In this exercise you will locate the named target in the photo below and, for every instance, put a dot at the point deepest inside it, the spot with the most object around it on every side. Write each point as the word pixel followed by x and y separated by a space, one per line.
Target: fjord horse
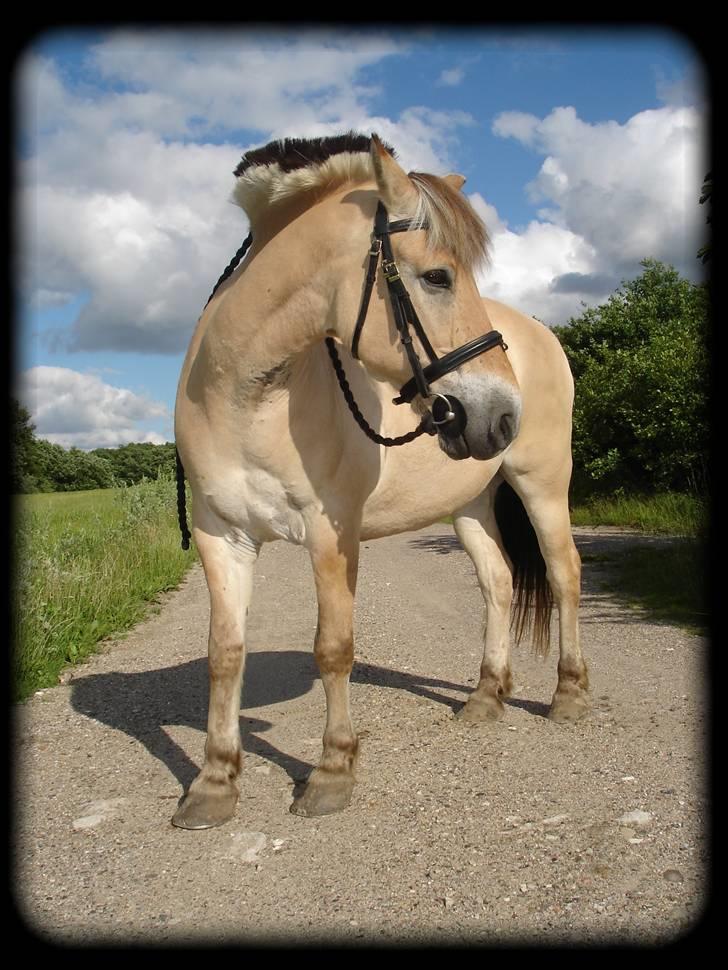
pixel 272 450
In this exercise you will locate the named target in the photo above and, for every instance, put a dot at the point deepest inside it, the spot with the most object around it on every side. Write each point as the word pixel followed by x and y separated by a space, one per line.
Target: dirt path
pixel 519 831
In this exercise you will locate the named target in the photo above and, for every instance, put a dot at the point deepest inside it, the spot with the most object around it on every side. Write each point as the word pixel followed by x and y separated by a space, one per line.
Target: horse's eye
pixel 437 277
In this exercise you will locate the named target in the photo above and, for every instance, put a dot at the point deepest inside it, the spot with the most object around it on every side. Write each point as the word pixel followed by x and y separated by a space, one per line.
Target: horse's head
pixel 432 241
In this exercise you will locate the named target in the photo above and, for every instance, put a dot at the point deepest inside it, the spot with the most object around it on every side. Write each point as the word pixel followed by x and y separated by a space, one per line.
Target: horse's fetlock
pixel 222 763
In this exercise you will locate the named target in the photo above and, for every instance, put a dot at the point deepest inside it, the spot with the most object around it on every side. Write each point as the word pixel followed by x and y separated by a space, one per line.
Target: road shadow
pixel 142 705
pixel 442 545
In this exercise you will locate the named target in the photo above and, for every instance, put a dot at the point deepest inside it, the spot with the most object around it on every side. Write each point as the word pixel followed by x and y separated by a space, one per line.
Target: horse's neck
pixel 267 318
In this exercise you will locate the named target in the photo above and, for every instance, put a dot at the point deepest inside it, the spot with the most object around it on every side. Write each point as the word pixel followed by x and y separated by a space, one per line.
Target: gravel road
pixel 521 831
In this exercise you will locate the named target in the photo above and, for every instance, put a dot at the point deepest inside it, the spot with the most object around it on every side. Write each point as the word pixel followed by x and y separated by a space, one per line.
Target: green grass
pixel 669 514
pixel 87 566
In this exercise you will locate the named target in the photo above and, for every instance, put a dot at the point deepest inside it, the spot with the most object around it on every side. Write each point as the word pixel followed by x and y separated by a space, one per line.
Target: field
pixel 87 565
pixel 671 514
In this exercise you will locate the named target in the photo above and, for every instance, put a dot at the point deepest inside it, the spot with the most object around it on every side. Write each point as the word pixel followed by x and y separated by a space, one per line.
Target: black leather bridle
pixel 405 317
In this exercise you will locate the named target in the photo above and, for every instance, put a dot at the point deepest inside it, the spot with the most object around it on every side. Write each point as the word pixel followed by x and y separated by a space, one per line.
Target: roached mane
pixel 290 166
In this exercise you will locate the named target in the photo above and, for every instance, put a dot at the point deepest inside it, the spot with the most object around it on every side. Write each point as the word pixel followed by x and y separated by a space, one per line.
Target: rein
pixel 405 316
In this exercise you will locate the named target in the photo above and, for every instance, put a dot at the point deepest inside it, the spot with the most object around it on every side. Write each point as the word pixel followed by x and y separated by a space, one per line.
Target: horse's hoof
pixel 477 710
pixel 568 708
pixel 201 810
pixel 324 794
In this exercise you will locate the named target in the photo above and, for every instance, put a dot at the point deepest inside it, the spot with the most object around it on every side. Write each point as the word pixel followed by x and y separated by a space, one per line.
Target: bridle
pixel 445 410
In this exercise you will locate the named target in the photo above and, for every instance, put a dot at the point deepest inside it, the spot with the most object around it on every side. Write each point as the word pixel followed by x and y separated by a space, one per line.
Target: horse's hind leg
pixel 478 533
pixel 335 561
pixel 548 509
pixel 228 562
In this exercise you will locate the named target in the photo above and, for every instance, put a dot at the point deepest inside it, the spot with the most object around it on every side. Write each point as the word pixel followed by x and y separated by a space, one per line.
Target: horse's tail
pixel 531 588
pixel 182 503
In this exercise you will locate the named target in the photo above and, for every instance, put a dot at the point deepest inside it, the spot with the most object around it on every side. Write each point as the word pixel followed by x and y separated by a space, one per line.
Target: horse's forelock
pixel 453 223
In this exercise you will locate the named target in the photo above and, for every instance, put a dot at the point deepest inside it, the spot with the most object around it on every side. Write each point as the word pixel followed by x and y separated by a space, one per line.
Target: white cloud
pixel 614 195
pixel 629 191
pixel 122 201
pixel 516 124
pixel 525 266
pixel 71 408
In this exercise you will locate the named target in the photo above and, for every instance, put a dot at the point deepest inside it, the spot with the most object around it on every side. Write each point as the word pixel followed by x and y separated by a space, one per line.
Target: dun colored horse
pixel 270 434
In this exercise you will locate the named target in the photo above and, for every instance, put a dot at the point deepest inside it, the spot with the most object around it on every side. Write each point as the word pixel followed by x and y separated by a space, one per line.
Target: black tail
pixel 182 503
pixel 530 585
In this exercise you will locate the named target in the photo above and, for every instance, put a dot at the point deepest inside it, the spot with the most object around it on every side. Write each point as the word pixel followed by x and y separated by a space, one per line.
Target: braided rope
pixel 424 425
pixel 232 265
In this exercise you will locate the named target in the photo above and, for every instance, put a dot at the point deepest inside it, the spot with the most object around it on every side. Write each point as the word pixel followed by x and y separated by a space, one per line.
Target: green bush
pixel 640 366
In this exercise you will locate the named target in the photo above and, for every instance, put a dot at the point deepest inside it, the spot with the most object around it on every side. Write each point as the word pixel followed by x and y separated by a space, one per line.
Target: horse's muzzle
pixel 483 435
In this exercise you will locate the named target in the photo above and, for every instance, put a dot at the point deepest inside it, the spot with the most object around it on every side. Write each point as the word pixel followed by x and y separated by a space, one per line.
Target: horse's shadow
pixel 142 705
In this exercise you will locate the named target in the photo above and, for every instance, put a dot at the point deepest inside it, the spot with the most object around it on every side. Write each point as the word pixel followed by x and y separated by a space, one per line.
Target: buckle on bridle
pixel 389 268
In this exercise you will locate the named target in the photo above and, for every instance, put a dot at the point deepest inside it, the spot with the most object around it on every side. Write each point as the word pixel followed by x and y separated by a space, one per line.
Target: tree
pixel 135 461
pixel 640 365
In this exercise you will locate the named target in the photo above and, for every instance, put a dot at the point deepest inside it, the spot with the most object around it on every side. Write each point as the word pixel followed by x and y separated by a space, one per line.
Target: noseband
pixel 405 316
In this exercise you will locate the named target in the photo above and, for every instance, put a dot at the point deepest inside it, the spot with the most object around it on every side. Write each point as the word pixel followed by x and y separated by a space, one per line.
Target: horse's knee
pixel 334 653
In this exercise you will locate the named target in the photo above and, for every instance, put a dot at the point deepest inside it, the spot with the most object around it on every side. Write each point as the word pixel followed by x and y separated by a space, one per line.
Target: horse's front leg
pixel 335 559
pixel 228 561
pixel 478 532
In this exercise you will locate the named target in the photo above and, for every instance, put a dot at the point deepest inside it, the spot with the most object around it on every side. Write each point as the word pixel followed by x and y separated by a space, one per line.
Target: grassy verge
pixel 87 565
pixel 668 514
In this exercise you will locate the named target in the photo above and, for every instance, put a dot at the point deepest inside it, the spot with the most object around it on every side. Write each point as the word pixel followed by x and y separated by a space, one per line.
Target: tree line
pixel 38 465
pixel 641 371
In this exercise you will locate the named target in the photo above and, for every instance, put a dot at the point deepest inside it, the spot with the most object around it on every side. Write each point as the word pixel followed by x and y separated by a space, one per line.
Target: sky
pixel 584 151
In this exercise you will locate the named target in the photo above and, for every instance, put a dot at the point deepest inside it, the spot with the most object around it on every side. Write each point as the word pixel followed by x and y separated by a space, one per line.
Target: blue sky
pixel 584 151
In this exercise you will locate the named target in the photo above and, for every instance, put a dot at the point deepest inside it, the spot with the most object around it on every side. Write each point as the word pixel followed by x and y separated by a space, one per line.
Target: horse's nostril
pixel 507 425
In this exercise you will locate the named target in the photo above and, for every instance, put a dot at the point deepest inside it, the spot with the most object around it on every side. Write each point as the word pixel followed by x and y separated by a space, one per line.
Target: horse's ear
pixel 395 188
pixel 455 181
